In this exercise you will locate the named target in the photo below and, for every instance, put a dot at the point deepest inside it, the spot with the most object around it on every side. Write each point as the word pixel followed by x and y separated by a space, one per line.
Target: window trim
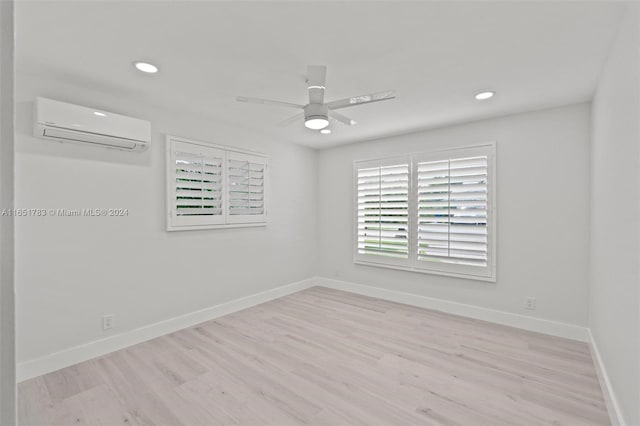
pixel 413 264
pixel 227 149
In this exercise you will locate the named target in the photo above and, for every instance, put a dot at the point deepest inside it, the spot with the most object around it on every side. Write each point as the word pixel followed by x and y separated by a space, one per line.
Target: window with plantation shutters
pixel 449 208
pixel 246 179
pixel 383 211
pixel 212 186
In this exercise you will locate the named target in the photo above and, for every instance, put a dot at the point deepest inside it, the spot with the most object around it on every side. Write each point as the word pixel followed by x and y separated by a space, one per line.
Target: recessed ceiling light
pixel 316 123
pixel 325 131
pixel 146 67
pixel 99 114
pixel 482 96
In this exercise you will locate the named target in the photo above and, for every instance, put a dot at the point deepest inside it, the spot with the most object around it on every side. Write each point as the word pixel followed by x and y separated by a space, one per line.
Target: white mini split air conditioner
pixel 63 122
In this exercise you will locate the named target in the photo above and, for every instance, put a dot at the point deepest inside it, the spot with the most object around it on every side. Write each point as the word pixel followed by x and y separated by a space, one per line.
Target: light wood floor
pixel 326 357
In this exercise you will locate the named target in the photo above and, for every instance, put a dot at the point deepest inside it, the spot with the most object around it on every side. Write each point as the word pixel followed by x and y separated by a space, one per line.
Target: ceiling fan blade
pixel 341 118
pixel 316 78
pixel 363 99
pixel 268 102
pixel 291 120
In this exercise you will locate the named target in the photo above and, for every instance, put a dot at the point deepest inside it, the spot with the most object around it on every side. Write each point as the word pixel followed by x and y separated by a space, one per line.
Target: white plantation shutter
pixel 196 185
pixel 452 211
pixel 246 187
pixel 214 186
pixel 449 207
pixel 383 211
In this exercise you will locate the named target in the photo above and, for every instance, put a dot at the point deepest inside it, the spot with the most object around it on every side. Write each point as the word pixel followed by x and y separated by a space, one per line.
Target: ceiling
pixel 436 55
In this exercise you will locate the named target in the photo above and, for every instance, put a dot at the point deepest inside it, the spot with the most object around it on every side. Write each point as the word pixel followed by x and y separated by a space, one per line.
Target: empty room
pixel 320 213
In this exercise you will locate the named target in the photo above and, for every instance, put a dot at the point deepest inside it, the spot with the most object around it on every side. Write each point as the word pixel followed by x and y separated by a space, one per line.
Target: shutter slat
pixel 457 245
pixel 423 250
pixel 381 198
pixel 467 171
pixel 235 210
pixel 196 192
pixel 481 196
pixel 455 229
pixel 243 197
pixel 482 187
pixel 433 165
pixel 462 220
pixel 198 211
pixel 383 250
pixel 459 163
pixel 376 219
pixel 434 236
pixel 202 186
pixel 451 259
pixel 386 186
pixel 385 211
pixel 206 177
pixel 199 203
pixel 389 178
pixel 383 233
pixel 469 179
pixel 377 227
pixel 387 192
pixel 378 204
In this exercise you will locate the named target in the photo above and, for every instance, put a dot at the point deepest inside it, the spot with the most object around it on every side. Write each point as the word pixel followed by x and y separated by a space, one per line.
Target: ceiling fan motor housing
pixel 316 111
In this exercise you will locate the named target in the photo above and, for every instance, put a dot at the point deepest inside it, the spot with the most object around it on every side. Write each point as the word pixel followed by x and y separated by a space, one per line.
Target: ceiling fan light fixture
pixel 316 122
pixel 483 96
pixel 145 67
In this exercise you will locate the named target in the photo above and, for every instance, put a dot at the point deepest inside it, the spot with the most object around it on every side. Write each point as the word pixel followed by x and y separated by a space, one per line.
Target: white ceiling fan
pixel 316 113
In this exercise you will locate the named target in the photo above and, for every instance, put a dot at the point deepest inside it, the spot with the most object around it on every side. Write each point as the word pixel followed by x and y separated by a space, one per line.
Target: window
pixel 214 186
pixel 383 210
pixel 429 212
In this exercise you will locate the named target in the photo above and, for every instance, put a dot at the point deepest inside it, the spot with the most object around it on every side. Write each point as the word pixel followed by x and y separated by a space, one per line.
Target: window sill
pixel 220 226
pixel 491 279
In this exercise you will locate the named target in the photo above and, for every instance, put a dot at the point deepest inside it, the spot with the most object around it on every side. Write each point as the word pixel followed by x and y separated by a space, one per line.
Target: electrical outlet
pixel 107 322
pixel 531 303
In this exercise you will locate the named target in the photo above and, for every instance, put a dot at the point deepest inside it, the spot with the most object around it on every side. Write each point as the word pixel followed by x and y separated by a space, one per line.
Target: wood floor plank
pixel 327 357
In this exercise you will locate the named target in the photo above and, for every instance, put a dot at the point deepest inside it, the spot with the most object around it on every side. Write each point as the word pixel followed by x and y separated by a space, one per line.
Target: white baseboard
pixel 613 407
pixel 55 361
pixel 539 325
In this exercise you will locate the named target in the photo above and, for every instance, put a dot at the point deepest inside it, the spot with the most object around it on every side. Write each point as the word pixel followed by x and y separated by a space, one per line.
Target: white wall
pixel 542 206
pixel 7 329
pixel 614 316
pixel 72 270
